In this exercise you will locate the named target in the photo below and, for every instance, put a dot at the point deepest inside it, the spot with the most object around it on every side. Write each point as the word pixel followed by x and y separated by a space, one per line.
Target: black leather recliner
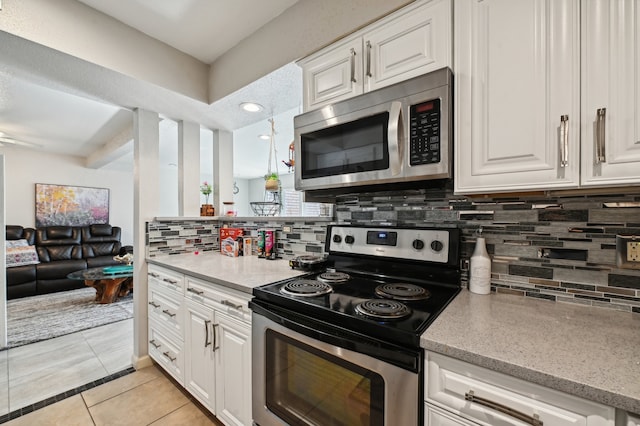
pixel 61 250
pixel 21 280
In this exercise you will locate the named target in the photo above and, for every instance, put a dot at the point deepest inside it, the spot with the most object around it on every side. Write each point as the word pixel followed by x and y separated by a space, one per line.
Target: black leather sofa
pixel 61 250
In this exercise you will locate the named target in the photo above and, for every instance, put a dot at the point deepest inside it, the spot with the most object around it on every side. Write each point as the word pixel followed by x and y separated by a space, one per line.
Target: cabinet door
pixel 414 43
pixel 333 75
pixel 611 84
pixel 199 352
pixel 517 72
pixel 233 366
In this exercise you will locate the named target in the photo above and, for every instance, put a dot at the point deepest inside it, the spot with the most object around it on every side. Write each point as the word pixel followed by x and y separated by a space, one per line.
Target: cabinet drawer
pixel 166 278
pixel 167 308
pixel 435 416
pixel 166 350
pixel 232 303
pixel 495 399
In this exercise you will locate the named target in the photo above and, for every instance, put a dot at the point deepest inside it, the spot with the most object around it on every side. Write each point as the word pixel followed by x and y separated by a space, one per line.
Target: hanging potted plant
pixel 272 182
pixel 206 209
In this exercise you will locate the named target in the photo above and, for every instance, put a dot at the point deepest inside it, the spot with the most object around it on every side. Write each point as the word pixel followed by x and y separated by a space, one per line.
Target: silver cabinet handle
pixel 394 134
pixel 206 333
pixel 215 338
pixel 533 420
pixel 369 59
pixel 601 156
pixel 170 281
pixel 153 274
pixel 353 65
pixel 171 358
pixel 154 304
pixel 168 313
pixel 154 344
pixel 231 304
pixel 564 136
pixel 193 290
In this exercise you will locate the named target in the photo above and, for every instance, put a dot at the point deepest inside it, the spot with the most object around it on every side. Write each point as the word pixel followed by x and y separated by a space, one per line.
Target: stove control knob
pixel 418 244
pixel 349 239
pixel 436 245
pixel 337 239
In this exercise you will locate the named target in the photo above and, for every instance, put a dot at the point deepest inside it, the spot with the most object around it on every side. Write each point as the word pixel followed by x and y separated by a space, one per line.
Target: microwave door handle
pixel 393 136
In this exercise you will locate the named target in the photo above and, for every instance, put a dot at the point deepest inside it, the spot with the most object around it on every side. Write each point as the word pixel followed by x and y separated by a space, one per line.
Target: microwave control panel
pixel 424 131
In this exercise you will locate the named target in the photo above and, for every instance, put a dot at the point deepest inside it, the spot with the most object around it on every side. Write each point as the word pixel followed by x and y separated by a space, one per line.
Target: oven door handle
pixel 314 328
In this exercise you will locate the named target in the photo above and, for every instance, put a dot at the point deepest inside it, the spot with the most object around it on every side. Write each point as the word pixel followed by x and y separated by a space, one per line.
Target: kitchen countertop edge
pixel 594 380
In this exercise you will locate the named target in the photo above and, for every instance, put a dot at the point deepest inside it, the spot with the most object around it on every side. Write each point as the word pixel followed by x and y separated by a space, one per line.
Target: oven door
pixel 304 373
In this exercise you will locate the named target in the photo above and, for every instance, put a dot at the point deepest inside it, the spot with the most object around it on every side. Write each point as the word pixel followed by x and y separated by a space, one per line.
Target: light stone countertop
pixel 593 353
pixel 241 273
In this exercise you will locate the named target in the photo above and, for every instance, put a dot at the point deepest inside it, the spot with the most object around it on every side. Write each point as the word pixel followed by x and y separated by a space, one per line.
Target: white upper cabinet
pixel 611 92
pixel 547 94
pixel 409 42
pixel 517 96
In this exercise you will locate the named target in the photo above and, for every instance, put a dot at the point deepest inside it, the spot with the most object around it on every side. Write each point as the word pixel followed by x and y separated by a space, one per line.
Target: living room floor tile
pixel 143 404
pixel 4 383
pixel 118 386
pixel 113 345
pixel 23 359
pixel 69 370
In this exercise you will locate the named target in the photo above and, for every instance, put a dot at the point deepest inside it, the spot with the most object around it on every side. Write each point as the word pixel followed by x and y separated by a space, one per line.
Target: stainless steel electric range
pixel 341 346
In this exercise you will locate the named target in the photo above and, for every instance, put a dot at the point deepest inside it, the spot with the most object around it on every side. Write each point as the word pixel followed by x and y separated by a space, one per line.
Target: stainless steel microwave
pixel 399 133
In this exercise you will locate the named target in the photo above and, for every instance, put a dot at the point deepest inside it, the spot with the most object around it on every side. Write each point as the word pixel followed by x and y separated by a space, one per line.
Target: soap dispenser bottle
pixel 480 268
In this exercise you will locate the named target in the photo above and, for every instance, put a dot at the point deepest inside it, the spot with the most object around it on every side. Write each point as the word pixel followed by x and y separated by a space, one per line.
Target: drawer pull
pixel 154 304
pixel 231 304
pixel 154 344
pixel 193 290
pixel 168 312
pixel 531 420
pixel 153 274
pixel 171 358
pixel 170 281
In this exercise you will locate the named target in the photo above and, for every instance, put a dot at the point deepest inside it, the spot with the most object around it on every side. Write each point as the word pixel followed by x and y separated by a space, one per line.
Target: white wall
pixel 24 168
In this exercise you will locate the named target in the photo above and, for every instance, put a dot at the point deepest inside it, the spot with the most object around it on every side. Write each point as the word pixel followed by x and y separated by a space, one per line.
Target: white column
pixel 146 148
pixel 188 169
pixel 3 276
pixel 222 169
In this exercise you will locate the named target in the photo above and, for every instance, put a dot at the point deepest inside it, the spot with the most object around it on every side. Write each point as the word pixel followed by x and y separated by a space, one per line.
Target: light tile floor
pixel 45 369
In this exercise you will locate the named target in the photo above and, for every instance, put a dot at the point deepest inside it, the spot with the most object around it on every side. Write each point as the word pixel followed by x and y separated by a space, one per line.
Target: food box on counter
pixel 231 241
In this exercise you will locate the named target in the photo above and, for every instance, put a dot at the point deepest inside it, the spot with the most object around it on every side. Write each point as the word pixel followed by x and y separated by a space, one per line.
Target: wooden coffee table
pixel 109 286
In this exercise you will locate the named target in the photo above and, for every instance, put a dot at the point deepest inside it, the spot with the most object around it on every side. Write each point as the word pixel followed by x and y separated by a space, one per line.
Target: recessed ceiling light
pixel 265 137
pixel 251 106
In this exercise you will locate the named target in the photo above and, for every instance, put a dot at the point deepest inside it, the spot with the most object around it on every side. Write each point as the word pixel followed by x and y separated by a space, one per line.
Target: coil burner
pixel 333 277
pixel 305 288
pixel 383 309
pixel 402 291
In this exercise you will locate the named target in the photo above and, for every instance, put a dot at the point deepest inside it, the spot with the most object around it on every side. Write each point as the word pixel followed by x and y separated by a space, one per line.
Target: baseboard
pixel 141 362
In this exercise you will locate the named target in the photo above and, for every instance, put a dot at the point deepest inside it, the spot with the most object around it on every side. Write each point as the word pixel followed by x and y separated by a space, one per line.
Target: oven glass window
pixel 306 386
pixel 358 146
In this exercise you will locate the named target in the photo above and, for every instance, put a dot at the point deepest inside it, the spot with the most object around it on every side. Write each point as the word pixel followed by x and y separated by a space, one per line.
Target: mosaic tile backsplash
pixel 560 249
pixel 556 248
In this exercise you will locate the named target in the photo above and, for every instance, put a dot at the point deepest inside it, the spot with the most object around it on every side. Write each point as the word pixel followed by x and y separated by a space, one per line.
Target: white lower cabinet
pixel 233 366
pixel 199 363
pixel 474 395
pixel 200 333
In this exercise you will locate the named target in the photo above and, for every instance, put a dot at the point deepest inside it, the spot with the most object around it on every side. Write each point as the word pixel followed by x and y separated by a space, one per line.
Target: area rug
pixel 35 318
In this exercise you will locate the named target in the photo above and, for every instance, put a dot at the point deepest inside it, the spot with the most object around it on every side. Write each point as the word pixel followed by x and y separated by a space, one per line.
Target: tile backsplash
pixel 556 248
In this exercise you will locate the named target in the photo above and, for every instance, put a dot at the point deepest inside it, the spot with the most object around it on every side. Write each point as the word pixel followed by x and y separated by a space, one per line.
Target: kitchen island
pixel 588 352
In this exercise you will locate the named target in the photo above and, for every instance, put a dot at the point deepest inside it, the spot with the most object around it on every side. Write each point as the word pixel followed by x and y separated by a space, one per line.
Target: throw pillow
pixel 15 243
pixel 18 256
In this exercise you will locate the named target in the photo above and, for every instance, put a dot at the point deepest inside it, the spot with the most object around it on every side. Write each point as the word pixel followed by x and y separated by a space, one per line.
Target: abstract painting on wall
pixel 71 205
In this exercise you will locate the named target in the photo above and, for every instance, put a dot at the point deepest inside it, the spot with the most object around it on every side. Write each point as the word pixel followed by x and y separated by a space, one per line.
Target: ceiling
pixel 43 116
